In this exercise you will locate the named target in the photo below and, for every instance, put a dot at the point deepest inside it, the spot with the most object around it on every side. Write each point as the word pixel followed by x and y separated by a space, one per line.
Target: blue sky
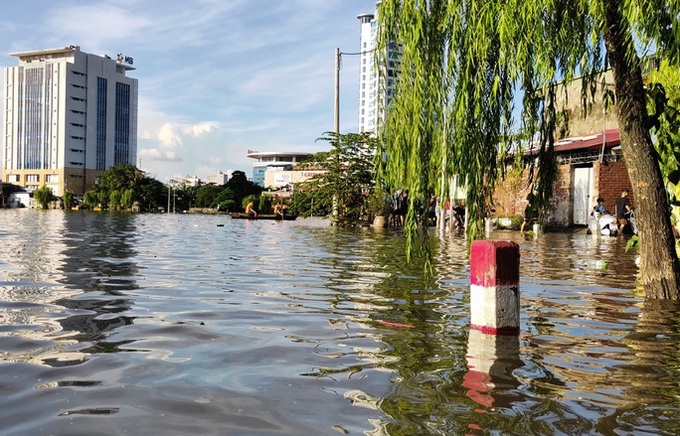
pixel 216 77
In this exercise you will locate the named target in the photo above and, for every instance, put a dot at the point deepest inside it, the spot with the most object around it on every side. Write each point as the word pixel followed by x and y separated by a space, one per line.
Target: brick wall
pixel 610 178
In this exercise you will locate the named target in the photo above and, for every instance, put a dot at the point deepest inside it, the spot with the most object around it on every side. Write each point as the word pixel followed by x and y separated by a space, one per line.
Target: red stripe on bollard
pixel 494 263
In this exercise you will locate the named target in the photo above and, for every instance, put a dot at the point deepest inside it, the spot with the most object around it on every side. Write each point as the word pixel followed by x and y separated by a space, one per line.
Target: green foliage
pixel 90 199
pixel 663 103
pixel 241 187
pixel 265 204
pixel 121 177
pixel 127 198
pixel 69 201
pixel 114 199
pixel 206 194
pixel 152 194
pixel 112 185
pixel 43 196
pixel 516 222
pixel 467 67
pixel 347 182
pixel 224 200
pixel 247 199
pixel 306 202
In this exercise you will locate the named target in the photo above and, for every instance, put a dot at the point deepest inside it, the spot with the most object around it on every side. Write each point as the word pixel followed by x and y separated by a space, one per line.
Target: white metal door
pixel 582 182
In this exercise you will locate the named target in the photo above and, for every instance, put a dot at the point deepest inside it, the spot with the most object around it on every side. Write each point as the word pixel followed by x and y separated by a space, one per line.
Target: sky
pixel 216 77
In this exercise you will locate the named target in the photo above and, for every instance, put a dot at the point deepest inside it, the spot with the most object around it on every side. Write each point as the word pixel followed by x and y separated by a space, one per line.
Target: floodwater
pixel 114 324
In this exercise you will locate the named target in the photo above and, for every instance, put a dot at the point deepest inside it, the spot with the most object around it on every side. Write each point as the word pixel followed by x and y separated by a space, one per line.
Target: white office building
pixel 68 116
pixel 376 82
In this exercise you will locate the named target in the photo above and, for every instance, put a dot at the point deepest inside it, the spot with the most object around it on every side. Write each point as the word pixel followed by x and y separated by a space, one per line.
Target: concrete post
pixel 494 287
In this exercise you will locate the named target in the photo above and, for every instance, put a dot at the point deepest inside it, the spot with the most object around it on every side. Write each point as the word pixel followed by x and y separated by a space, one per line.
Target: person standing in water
pixel 623 209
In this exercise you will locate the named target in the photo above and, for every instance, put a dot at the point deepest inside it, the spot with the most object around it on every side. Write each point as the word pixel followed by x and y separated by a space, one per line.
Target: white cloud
pixel 155 154
pixel 216 78
pixel 172 135
pixel 95 24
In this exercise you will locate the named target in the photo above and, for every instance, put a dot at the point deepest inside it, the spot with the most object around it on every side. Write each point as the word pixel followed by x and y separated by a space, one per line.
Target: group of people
pixel 279 209
pixel 400 205
pixel 624 210
pixel 400 202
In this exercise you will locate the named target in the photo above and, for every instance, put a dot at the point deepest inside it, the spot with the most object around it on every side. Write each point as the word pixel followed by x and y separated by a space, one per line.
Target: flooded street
pixel 194 324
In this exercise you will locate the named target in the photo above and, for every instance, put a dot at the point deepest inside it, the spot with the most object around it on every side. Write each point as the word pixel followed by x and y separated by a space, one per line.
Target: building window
pixel 121 140
pixel 52 178
pixel 32 177
pixel 13 178
pixel 100 158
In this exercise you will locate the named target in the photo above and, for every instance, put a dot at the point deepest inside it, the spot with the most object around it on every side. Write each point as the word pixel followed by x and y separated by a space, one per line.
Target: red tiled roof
pixel 586 143
pixel 589 142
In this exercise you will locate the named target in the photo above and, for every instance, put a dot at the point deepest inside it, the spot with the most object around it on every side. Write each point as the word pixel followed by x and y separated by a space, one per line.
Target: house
pixel 14 196
pixel 589 166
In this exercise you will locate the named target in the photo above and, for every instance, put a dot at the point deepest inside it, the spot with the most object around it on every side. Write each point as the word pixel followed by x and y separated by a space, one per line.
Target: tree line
pixel 126 187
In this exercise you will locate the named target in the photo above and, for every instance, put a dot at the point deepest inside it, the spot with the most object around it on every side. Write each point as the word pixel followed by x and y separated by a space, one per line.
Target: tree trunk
pixel 659 267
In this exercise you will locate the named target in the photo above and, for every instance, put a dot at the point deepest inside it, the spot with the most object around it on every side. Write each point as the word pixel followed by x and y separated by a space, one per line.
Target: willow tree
pixel 499 57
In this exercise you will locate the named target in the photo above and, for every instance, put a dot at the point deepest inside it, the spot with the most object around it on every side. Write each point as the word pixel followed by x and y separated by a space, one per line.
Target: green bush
pixel 516 221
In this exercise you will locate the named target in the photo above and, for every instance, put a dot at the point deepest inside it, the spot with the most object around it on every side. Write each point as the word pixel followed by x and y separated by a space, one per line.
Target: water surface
pixel 188 324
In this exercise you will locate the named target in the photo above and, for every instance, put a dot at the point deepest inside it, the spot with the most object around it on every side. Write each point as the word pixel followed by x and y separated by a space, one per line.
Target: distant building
pixel 376 85
pixel 69 116
pixel 220 178
pixel 190 181
pixel 273 161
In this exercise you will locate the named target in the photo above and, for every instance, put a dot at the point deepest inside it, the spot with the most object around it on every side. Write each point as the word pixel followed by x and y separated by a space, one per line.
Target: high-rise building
pixel 376 82
pixel 68 116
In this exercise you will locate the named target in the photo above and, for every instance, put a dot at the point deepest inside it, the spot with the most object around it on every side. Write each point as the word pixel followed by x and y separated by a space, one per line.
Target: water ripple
pixel 177 324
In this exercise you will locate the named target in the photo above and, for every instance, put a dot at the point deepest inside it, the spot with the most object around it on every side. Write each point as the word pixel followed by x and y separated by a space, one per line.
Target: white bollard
pixel 488 226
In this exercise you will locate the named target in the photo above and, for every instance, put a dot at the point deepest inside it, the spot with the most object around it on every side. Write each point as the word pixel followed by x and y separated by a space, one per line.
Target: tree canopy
pixel 467 67
pixel 347 182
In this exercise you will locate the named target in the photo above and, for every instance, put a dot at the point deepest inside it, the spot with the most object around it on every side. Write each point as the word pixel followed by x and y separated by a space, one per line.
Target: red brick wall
pixel 610 178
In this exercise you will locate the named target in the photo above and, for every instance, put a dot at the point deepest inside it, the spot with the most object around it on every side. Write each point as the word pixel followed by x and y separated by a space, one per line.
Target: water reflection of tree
pixel 423 325
pixel 650 377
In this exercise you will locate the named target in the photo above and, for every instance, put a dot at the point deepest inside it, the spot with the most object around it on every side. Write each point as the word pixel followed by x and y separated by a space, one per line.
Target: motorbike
pixel 603 224
pixel 607 225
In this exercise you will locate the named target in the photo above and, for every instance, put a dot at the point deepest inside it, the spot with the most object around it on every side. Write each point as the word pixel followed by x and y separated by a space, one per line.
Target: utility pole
pixel 336 112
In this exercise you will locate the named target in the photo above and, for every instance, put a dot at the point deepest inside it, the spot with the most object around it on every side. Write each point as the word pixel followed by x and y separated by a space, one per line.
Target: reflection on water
pixel 115 323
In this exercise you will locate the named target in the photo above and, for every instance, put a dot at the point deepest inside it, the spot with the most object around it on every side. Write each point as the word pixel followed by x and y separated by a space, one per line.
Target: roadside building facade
pixel 69 115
